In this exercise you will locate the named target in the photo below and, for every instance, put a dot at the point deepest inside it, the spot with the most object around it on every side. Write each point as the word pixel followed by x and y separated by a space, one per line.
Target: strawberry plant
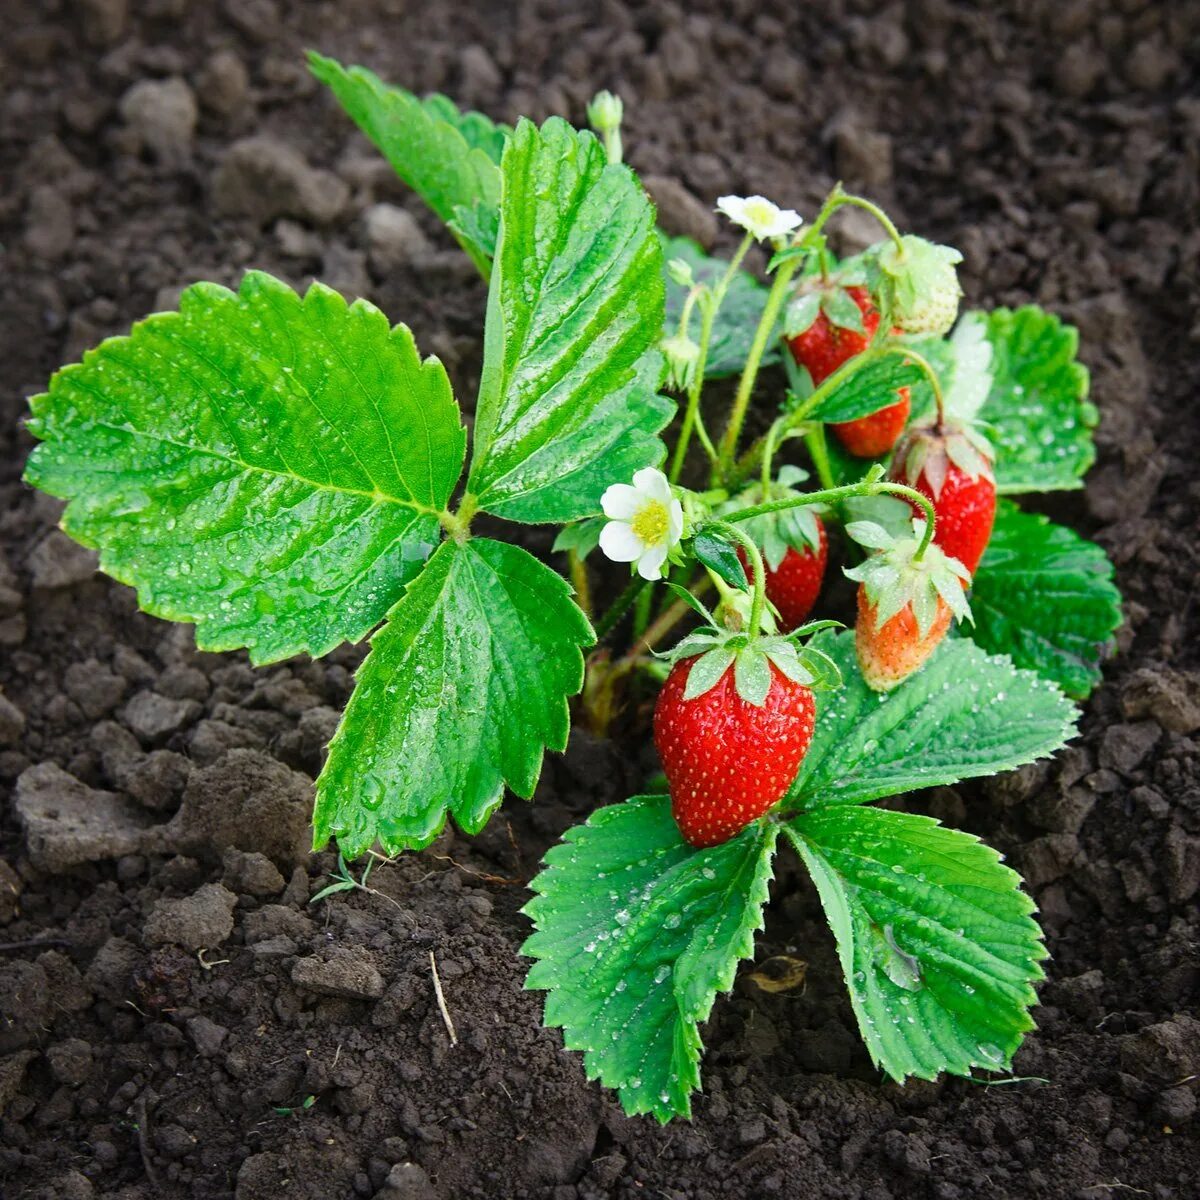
pixel 288 473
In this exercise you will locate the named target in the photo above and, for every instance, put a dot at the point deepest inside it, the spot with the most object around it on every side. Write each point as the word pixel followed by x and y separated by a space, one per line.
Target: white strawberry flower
pixel 758 216
pixel 645 522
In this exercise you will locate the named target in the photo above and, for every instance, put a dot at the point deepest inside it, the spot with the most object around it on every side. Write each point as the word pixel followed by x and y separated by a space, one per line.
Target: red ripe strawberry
pixel 889 653
pixel 906 599
pixel 794 585
pixel 874 435
pixel 951 465
pixel 728 759
pixel 824 346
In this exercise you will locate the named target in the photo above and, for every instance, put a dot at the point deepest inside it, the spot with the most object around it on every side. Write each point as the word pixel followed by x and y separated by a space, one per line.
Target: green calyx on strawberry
pixel 732 725
pixel 905 603
pixel 840 305
pixel 920 284
pixel 951 465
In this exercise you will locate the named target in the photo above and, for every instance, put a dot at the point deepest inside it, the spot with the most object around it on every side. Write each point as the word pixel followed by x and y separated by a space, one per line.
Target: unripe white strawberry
pixel 922 283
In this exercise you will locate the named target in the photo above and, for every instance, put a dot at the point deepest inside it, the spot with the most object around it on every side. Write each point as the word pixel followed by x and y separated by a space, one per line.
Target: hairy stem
pixel 580 582
pixel 760 574
pixel 762 335
pixel 708 314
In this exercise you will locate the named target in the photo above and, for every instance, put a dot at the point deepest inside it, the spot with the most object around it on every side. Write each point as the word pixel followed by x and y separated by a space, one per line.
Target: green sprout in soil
pixel 288 473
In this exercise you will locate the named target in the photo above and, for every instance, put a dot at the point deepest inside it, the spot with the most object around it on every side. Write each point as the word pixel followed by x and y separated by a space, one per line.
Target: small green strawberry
pixel 919 280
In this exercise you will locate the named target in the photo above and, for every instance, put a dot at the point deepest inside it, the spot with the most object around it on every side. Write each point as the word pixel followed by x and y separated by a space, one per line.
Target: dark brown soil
pixel 1057 143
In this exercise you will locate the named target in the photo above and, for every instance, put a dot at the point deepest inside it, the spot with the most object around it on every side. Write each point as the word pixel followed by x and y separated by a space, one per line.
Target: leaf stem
pixel 458 524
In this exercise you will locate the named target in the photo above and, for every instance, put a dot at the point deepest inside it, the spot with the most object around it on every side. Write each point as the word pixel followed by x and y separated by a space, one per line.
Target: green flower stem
pixel 762 336
pixel 708 314
pixel 619 607
pixel 819 453
pixel 612 143
pixel 760 574
pixel 872 485
pixel 876 212
pixel 579 581
pixel 641 612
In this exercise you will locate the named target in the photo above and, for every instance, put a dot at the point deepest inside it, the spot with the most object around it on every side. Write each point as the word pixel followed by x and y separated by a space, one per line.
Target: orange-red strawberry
pixel 889 653
pixel 907 595
pixel 728 760
pixel 795 583
pixel 951 465
pixel 826 344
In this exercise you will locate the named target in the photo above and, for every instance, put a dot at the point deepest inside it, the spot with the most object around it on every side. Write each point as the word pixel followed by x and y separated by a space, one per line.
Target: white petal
pixel 674 522
pixel 650 564
pixel 620 543
pixel 652 484
pixel 733 207
pixel 620 502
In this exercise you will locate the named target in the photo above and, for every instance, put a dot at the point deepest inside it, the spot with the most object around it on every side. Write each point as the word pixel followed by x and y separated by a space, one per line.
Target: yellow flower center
pixel 759 214
pixel 652 523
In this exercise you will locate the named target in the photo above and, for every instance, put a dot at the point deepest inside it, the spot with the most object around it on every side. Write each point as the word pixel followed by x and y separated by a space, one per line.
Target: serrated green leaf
pixel 265 465
pixel 636 933
pixel 936 939
pixel 857 390
pixel 965 713
pixel 449 158
pixel 718 555
pixel 739 314
pixel 567 400
pixel 1046 597
pixel 464 688
pixel 1037 414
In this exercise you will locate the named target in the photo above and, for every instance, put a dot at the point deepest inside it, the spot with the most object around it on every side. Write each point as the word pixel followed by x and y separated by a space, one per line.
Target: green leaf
pixel 636 933
pixel 447 157
pixel 859 390
pixel 265 465
pixel 583 536
pixel 477 229
pixel 964 714
pixel 737 318
pixel 567 400
pixel 936 939
pixel 1037 412
pixel 714 552
pixel 1046 597
pixel 464 687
